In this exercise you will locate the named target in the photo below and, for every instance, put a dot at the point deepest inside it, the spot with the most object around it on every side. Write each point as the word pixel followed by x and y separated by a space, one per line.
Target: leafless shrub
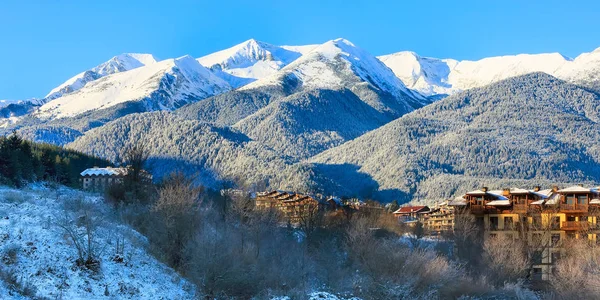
pixel 10 254
pixel 577 274
pixel 506 258
pixel 81 231
pixel 16 197
pixel 16 284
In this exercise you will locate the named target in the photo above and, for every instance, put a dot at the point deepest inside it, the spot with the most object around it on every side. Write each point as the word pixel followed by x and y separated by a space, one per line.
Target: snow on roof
pixel 543 193
pixel 498 203
pixel 411 209
pixel 519 191
pixel 458 201
pixel 552 200
pixel 539 202
pixel 108 171
pixel 498 194
pixel 575 189
pixel 595 201
pixel 476 192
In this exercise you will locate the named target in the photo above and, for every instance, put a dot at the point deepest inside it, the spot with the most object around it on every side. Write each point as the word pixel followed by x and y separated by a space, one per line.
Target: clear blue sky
pixel 43 43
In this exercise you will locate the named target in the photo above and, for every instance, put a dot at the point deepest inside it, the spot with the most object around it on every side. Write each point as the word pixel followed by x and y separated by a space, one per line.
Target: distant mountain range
pixel 332 118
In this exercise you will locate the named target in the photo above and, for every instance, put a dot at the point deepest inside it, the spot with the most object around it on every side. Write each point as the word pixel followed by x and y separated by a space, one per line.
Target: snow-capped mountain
pixel 335 64
pixel 119 63
pixel 433 76
pixel 164 85
pixel 251 60
pixel 333 94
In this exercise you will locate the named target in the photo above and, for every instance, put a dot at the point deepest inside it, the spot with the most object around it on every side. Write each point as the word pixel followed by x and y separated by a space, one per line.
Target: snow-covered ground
pixel 42 256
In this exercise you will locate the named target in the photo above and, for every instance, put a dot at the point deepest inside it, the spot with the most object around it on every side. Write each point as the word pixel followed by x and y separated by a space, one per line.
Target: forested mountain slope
pixel 256 134
pixel 532 128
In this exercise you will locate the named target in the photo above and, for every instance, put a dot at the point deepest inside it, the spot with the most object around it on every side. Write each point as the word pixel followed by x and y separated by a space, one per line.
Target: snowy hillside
pixel 165 85
pixel 119 63
pixel 432 76
pixel 251 60
pixel 40 256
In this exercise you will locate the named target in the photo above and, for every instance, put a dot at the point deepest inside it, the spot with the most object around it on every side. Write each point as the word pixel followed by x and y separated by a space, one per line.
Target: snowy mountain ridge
pixel 165 85
pixel 325 66
pixel 251 60
pixel 433 76
pixel 120 63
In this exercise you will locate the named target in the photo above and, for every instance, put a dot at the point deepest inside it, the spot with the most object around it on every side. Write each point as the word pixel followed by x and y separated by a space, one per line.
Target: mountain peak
pixel 120 63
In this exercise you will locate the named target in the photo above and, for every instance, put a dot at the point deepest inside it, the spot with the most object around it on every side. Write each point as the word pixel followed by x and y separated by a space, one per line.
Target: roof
pixel 519 191
pixel 552 200
pixel 411 209
pixel 575 189
pixel 458 201
pixel 499 194
pixel 498 203
pixel 476 193
pixel 95 171
pixel 595 201
pixel 543 193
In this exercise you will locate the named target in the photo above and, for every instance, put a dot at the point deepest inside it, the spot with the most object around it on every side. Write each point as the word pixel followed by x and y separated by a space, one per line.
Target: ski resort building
pixel 98 179
pixel 410 214
pixel 544 218
pixel 294 207
pixel 435 220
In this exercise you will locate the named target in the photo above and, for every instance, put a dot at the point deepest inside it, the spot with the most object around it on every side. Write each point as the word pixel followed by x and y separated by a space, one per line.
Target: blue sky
pixel 45 42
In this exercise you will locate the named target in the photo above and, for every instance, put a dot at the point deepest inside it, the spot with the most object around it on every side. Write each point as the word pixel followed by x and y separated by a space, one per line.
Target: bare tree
pixel 507 258
pixel 177 212
pixel 136 181
pixel 577 274
pixel 467 237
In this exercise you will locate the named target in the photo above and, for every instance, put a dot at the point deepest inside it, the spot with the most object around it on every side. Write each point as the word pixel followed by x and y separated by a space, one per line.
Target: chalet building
pixel 410 214
pixel 294 207
pixel 436 219
pixel 439 219
pixel 98 179
pixel 543 217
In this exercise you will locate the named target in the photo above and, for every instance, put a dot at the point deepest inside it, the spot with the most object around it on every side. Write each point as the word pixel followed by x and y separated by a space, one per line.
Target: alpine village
pixel 252 151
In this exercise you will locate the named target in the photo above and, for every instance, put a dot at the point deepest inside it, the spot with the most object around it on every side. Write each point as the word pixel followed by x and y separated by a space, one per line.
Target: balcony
pixel 520 208
pixel 574 207
pixel 477 209
pixel 577 225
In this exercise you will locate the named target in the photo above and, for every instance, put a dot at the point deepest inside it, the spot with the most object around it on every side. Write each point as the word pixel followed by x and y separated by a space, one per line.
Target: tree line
pixel 22 162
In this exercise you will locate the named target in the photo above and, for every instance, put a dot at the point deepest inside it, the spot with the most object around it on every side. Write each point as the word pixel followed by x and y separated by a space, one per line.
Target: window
pixel 571 218
pixel 537 221
pixel 493 223
pixel 508 223
pixel 555 223
pixel 582 199
pixel 555 257
pixel 537 274
pixel 583 218
pixel 555 239
pixel 479 200
pixel 571 199
pixel 536 257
